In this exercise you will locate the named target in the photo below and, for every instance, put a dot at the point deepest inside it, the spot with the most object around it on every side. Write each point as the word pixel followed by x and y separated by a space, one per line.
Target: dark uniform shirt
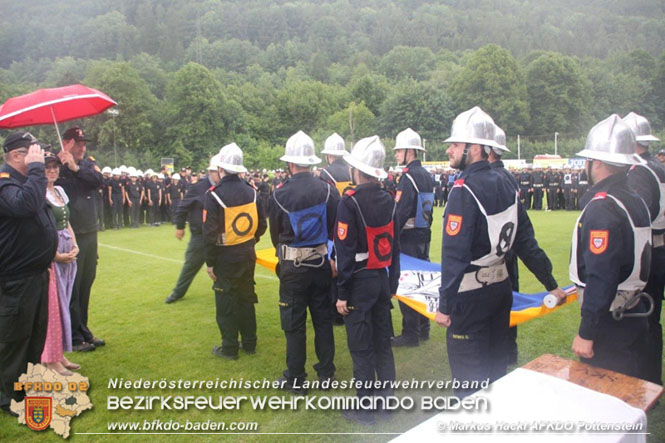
pixel 602 272
pixel 471 241
pixel 152 192
pixel 526 245
pixel 337 172
pixel 233 192
pixel 525 180
pixel 407 200
pixel 377 208
pixel 80 187
pixel 538 179
pixel 116 187
pixel 175 192
pixel 299 192
pixel 133 190
pixel 28 238
pixel 190 208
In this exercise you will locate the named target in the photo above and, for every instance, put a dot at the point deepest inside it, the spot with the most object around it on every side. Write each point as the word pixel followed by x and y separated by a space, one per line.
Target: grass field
pixel 151 340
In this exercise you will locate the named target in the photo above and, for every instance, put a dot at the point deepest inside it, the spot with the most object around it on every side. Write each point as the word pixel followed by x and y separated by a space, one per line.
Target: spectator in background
pixel 63 273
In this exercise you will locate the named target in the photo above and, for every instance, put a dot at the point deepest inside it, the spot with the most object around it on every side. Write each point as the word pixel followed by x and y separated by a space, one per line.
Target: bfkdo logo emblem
pixel 38 412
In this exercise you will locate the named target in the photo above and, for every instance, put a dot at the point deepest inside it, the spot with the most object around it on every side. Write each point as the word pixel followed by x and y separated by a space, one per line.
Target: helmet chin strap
pixel 588 171
pixel 462 163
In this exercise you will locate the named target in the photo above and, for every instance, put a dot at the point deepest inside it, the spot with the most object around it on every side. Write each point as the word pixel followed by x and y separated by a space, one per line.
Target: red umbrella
pixel 53 105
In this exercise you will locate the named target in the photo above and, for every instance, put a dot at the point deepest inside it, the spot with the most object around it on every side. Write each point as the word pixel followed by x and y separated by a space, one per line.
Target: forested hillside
pixel 190 76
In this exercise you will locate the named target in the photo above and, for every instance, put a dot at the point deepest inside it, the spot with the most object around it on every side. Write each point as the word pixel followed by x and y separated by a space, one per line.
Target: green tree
pixel 305 105
pixel 353 122
pixel 422 107
pixel 371 89
pixel 200 117
pixel 150 69
pixel 132 128
pixel 66 71
pixel 403 62
pixel 659 91
pixel 493 80
pixel 558 95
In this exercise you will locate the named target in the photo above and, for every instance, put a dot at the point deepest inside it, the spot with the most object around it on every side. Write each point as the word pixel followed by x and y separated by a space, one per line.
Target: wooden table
pixel 638 393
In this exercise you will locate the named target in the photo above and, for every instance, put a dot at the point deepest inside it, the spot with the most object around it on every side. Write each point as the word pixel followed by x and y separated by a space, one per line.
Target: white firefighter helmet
pixel 230 159
pixel 408 139
pixel 139 173
pixel 116 171
pixel 300 150
pixel 160 176
pixel 474 126
pixel 641 128
pixel 133 173
pixel 611 141
pixel 368 156
pixel 175 176
pixel 334 145
pixel 107 170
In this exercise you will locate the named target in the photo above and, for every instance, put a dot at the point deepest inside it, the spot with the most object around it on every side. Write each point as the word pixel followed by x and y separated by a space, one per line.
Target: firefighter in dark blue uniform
pixel 302 220
pixel 553 185
pixel 28 243
pixel 581 188
pixel 337 175
pixel 80 177
pixel 648 181
pixel 535 258
pixel 133 196
pixel 116 198
pixel 153 197
pixel 568 189
pixel 538 179
pixel 337 171
pixel 367 248
pixel 526 188
pixel 232 224
pixel 175 195
pixel 190 211
pixel 415 200
pixel 481 224
pixel 611 250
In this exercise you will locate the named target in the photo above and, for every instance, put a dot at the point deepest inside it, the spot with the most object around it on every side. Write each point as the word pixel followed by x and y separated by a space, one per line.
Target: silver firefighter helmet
pixel 230 159
pixel 214 160
pixel 368 156
pixel 334 145
pixel 641 128
pixel 474 126
pixel 408 139
pixel 300 150
pixel 500 139
pixel 611 141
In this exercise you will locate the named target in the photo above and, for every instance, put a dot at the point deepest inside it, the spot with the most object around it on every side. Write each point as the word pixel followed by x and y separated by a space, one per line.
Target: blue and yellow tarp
pixel 420 281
